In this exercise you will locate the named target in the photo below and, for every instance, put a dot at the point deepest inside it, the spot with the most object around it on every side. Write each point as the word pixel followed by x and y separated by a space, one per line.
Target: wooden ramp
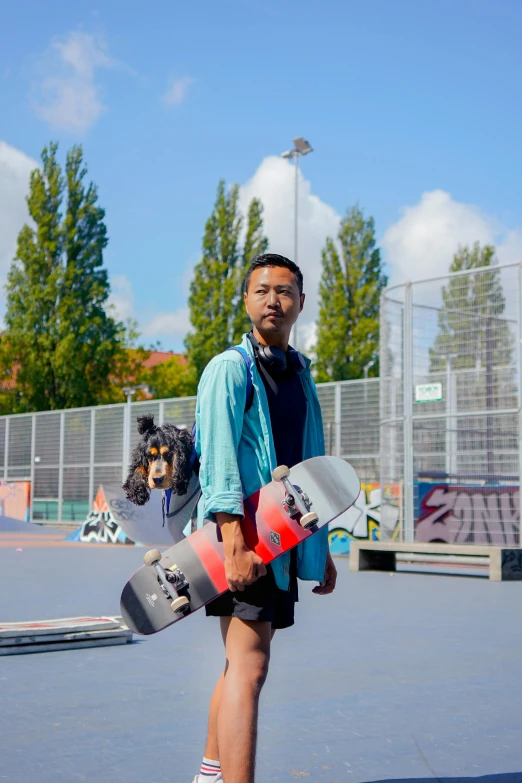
pixel 62 634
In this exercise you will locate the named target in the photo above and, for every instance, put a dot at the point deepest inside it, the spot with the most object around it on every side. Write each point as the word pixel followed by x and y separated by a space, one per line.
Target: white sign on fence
pixel 428 392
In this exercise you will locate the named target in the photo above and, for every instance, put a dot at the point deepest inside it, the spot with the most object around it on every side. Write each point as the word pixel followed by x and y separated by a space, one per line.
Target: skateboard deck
pixel 191 573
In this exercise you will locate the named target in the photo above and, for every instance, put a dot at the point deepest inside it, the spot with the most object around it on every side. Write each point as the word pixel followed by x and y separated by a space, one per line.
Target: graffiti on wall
pixel 361 521
pixel 15 499
pixel 468 514
pixel 101 527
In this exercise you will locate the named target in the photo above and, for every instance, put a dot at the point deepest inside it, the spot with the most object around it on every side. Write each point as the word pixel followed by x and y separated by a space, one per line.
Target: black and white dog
pixel 163 459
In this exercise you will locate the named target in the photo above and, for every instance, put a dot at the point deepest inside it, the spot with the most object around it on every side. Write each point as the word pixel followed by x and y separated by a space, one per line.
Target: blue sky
pixel 413 109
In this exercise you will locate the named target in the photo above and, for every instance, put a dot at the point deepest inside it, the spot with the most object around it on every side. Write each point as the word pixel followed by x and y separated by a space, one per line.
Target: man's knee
pixel 257 671
pixel 252 670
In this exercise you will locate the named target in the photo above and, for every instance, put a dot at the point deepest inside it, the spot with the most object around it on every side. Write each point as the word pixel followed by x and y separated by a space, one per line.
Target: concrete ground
pixel 394 677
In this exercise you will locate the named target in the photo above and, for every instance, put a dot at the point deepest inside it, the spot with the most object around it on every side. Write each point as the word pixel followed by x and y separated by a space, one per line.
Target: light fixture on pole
pixel 300 149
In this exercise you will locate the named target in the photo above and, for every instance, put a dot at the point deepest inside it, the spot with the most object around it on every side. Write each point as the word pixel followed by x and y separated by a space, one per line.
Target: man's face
pixel 273 301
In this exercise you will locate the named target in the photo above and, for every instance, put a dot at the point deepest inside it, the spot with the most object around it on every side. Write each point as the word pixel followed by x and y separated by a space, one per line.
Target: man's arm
pixel 219 417
pixel 219 423
pixel 242 565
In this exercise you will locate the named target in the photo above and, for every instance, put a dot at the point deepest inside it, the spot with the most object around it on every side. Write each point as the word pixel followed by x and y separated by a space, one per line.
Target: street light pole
pixel 301 147
pixel 296 210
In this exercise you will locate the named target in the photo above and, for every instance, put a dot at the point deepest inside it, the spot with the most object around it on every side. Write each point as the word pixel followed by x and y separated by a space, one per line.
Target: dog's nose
pixel 158 480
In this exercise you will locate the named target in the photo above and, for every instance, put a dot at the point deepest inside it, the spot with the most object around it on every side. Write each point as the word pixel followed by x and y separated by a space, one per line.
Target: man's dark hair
pixel 273 259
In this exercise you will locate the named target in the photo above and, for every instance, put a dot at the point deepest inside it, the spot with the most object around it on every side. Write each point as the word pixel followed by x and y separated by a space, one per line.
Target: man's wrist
pixel 231 532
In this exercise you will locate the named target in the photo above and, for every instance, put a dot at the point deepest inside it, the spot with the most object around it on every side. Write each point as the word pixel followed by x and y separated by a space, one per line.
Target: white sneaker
pixel 206 779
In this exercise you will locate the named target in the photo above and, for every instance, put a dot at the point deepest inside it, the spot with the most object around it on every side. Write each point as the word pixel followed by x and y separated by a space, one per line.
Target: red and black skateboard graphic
pixel 294 506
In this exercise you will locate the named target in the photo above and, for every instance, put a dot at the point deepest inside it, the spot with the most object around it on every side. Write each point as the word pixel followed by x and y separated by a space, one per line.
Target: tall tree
pixel 472 332
pixel 255 243
pixel 349 297
pixel 59 344
pixel 173 378
pixel 215 301
pixel 128 368
pixel 474 335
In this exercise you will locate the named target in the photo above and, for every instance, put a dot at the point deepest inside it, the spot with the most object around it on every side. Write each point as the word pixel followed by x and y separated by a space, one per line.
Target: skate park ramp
pixel 10 525
pixel 113 519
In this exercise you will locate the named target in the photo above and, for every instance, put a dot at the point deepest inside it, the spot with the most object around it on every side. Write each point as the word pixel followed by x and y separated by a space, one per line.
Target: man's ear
pixel 302 300
pixel 245 297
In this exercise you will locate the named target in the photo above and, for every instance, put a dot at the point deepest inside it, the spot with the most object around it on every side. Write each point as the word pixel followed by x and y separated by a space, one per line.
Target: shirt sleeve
pixel 220 410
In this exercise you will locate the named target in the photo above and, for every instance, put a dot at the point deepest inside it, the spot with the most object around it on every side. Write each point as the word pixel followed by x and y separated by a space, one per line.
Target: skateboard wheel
pixel 151 557
pixel 179 604
pixel 308 520
pixel 280 473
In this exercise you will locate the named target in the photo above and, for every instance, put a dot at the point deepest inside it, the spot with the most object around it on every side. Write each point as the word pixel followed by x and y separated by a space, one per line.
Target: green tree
pixel 349 298
pixel 60 344
pixel 255 244
pixel 471 330
pixel 475 336
pixel 128 368
pixel 173 378
pixel 215 301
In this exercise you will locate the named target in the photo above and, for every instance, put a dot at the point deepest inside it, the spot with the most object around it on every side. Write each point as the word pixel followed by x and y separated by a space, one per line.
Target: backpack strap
pixel 250 384
pixel 194 461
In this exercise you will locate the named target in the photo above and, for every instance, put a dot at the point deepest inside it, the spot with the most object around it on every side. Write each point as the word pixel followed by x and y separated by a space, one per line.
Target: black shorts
pixel 261 601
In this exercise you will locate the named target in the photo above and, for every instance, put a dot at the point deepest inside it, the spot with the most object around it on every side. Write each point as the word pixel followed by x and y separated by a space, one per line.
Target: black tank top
pixel 287 406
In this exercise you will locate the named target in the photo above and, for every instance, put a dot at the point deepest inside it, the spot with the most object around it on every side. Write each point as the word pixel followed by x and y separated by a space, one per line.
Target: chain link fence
pixel 450 408
pixel 66 455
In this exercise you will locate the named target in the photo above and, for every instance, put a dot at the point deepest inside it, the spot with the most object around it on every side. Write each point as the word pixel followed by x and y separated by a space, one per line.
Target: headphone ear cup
pixel 273 358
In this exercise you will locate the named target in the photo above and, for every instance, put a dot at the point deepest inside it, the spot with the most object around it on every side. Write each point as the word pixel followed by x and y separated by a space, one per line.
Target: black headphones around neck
pixel 275 360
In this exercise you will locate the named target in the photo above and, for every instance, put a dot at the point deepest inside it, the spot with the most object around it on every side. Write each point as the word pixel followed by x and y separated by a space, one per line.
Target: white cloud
pixel 306 337
pixel 423 241
pixel 510 249
pixel 273 183
pixel 15 168
pixel 122 298
pixel 162 326
pixel 174 324
pixel 69 98
pixel 178 90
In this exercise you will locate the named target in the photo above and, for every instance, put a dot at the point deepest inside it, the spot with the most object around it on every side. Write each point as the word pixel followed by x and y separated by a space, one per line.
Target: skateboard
pixel 288 510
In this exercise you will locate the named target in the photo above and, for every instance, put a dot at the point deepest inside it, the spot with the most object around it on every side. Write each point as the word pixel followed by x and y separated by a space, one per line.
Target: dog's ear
pixel 136 485
pixel 146 424
pixel 182 446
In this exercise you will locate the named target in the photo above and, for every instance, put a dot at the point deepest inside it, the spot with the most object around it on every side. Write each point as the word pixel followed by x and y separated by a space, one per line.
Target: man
pixel 239 445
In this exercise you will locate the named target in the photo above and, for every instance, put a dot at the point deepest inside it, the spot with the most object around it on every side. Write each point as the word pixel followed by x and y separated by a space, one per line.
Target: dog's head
pixel 161 460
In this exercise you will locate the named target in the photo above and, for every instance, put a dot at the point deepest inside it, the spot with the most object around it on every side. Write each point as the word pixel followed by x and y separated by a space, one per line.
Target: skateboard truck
pixel 289 504
pixel 171 581
pixel 296 500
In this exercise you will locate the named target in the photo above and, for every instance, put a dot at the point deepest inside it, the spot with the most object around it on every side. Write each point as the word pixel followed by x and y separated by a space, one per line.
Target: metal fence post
pixel 91 455
pixel 32 469
pixel 519 396
pixel 127 417
pixel 338 420
pixel 161 413
pixel 6 450
pixel 60 466
pixel 408 413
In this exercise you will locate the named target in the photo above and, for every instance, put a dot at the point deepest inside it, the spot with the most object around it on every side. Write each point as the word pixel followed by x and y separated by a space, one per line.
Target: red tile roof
pixel 158 357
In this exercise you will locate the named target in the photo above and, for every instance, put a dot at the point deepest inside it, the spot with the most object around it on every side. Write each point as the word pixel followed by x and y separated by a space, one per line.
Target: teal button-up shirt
pixel 236 450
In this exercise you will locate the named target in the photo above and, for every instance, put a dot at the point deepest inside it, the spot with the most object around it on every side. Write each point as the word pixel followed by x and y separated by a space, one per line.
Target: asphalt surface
pixel 394 677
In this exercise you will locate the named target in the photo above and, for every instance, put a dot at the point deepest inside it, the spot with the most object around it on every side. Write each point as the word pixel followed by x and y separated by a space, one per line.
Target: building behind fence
pixel 450 366
pixel 66 455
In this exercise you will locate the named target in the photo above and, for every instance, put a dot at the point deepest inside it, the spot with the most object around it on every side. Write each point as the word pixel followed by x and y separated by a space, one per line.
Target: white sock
pixel 210 769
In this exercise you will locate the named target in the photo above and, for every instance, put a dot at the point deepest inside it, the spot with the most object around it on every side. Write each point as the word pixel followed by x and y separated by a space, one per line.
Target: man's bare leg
pixel 232 729
pixel 211 747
